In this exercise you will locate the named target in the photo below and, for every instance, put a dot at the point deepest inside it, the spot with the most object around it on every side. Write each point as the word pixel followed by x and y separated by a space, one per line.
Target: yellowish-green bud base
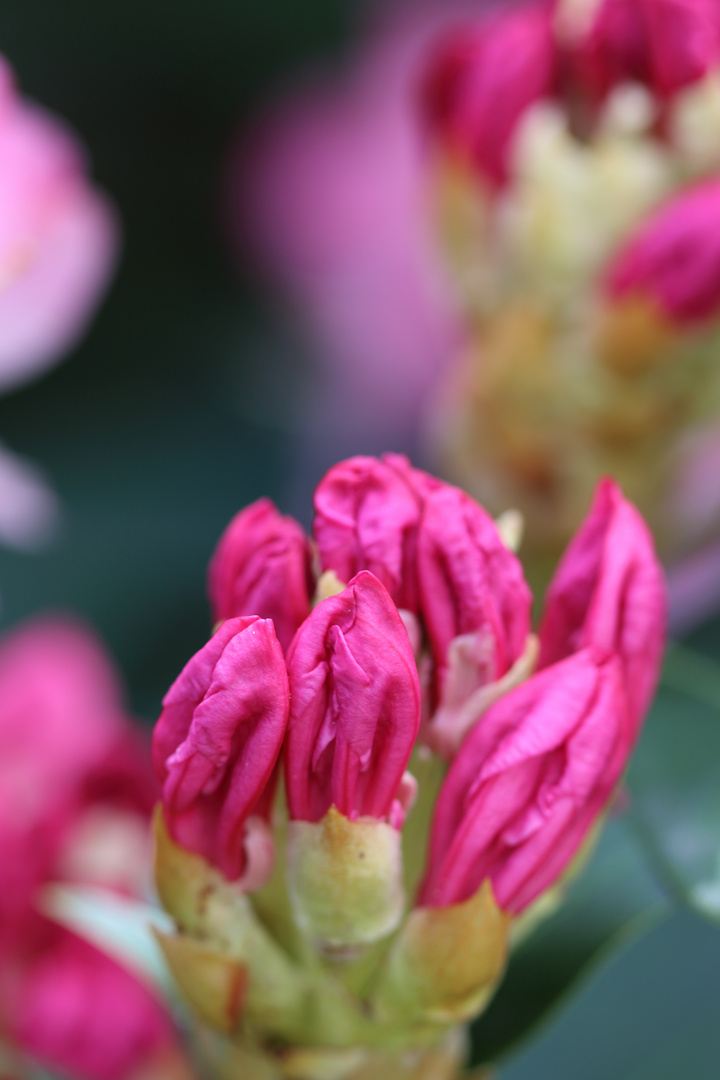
pixel 345 880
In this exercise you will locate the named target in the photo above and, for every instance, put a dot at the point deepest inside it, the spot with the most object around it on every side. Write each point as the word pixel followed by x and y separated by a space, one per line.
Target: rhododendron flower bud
pixel 673 259
pixel 367 512
pixel 354 717
pixel 262 566
pixel 528 783
pixel 78 1012
pixel 665 44
pixel 470 584
pixel 354 706
pixel 216 743
pixel 483 80
pixel 609 593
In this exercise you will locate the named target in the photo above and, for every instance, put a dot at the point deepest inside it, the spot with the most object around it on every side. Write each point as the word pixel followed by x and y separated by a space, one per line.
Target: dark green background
pixel 178 408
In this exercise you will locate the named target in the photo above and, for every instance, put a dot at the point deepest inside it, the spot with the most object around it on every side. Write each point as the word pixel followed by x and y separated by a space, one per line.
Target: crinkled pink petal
pixel 354 705
pixel 367 513
pixel 469 583
pixel 218 738
pixel 262 566
pixel 528 783
pixel 609 593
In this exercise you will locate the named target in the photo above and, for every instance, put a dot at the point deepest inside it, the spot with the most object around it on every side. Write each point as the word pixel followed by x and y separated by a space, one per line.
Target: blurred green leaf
pixel 118 925
pixel 674 782
pixel 613 901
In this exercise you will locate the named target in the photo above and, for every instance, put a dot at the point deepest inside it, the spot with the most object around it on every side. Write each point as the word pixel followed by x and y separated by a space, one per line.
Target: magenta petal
pixel 469 582
pixel 355 705
pixel 609 592
pixel 218 738
pixel 262 566
pixel 528 783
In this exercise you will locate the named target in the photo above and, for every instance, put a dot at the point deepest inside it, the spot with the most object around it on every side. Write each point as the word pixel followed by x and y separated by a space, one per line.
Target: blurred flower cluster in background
pixel 383 827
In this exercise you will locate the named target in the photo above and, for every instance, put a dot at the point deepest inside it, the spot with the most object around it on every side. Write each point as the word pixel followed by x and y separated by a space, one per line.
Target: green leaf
pixel 614 900
pixel 674 781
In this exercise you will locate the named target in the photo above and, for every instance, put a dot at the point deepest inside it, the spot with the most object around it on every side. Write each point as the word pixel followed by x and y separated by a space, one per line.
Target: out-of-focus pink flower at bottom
pixel 77 1011
pixel 76 792
pixel 330 196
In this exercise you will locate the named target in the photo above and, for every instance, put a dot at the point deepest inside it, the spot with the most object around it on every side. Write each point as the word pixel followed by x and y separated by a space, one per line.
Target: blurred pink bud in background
pixel 665 44
pixel 330 195
pixel 262 566
pixel 674 257
pixel 216 743
pixel 484 78
pixel 609 592
pixel 76 792
pixel 354 707
pixel 528 783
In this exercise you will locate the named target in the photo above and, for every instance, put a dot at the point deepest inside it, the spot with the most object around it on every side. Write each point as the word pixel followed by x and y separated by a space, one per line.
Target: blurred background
pixel 194 393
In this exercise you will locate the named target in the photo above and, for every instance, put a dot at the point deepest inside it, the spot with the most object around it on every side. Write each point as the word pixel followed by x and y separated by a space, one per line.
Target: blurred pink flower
pixel 484 79
pixel 80 1013
pixel 330 195
pixel 58 248
pixel 76 792
pixel 674 257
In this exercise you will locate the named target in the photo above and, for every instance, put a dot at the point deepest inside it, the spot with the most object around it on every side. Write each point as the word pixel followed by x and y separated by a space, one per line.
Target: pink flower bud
pixel 79 1013
pixel 484 79
pixel 674 258
pixel 262 566
pixel 218 738
pixel 665 44
pixel 354 706
pixel 470 584
pixel 528 783
pixel 367 512
pixel 609 593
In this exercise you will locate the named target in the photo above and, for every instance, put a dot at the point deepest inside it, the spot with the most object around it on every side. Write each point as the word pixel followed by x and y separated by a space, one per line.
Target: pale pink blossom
pixel 58 238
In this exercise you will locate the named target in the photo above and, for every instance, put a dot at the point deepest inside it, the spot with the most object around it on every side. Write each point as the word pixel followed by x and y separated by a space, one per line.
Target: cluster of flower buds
pixel 374 767
pixel 578 169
